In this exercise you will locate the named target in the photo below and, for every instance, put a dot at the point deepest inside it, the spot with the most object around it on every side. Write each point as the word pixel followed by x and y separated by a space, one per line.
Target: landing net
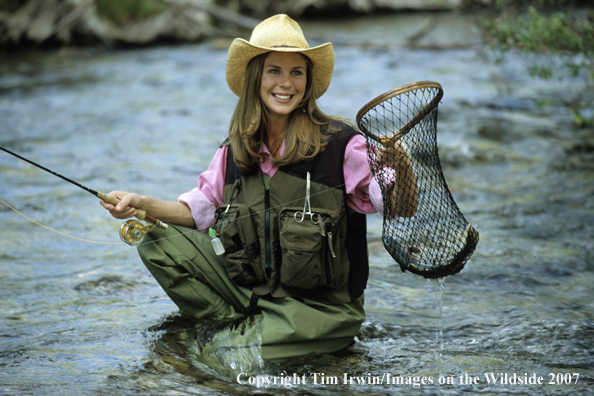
pixel 423 228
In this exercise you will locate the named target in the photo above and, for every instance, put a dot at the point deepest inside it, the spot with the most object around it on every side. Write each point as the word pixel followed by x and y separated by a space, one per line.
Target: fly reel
pixel 133 231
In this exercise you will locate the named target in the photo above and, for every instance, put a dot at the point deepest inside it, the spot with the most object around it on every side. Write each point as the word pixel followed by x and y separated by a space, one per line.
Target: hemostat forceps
pixel 300 216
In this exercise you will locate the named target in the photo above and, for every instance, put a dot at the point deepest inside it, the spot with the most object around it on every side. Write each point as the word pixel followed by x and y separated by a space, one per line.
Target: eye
pixel 297 72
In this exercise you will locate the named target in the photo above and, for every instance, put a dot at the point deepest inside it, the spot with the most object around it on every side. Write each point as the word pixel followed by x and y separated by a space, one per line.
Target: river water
pixel 85 318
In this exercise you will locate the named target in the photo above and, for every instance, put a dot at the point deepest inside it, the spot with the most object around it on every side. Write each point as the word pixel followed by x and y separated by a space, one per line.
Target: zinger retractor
pixel 133 231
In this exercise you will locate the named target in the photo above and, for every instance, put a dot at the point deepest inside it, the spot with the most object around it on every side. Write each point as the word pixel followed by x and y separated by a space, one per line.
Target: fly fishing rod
pixel 132 232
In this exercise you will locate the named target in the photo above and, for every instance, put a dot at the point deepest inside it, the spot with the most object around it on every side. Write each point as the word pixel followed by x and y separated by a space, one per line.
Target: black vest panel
pixel 327 169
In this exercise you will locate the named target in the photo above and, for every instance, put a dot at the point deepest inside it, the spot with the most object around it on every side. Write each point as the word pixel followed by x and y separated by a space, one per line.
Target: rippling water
pixel 84 318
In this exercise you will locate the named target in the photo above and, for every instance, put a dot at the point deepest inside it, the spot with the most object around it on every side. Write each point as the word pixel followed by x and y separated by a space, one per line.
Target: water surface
pixel 85 318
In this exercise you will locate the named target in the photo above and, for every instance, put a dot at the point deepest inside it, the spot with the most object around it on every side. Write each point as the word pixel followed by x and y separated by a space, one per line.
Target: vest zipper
pixel 328 261
pixel 330 242
pixel 267 245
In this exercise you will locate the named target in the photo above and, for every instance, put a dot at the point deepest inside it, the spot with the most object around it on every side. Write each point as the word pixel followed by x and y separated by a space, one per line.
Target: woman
pixel 287 194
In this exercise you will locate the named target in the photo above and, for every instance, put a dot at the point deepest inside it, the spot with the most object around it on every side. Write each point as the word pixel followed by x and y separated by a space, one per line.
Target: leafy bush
pixel 549 27
pixel 11 5
pixel 122 12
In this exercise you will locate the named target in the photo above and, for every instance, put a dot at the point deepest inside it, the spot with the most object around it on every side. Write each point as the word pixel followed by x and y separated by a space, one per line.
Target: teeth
pixel 283 96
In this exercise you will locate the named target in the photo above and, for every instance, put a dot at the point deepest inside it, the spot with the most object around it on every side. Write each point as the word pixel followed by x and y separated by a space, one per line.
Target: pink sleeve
pixel 208 194
pixel 363 192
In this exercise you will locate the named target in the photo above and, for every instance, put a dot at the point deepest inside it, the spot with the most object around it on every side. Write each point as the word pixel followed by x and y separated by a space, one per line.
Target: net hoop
pixel 391 139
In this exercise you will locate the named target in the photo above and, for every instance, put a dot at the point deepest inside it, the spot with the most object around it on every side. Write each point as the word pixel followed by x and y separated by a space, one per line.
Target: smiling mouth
pixel 282 97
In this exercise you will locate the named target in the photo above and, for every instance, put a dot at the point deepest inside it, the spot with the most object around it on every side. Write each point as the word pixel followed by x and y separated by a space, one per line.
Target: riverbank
pixel 51 23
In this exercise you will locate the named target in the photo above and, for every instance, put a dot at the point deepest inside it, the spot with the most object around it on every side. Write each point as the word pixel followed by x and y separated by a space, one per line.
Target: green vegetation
pixel 11 6
pixel 549 27
pixel 121 12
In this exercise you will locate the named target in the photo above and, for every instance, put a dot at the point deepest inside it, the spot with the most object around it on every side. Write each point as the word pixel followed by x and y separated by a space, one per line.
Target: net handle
pixel 389 140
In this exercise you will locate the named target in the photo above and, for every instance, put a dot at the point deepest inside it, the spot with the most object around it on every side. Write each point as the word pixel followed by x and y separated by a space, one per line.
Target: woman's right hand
pixel 127 206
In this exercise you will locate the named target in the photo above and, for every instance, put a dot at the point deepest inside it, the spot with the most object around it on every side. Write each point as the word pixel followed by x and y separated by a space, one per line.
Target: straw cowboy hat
pixel 278 33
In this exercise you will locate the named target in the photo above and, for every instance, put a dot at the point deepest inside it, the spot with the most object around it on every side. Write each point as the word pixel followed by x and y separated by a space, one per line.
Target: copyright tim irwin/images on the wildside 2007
pixel 289 380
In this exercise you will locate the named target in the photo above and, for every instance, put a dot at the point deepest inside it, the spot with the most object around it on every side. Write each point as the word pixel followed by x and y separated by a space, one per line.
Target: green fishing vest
pixel 269 249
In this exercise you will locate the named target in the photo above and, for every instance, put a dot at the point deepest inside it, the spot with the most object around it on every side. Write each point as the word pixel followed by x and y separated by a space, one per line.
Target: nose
pixel 285 81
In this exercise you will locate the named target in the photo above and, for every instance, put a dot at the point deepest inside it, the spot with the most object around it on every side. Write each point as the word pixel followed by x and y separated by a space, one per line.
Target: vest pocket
pixel 242 250
pixel 308 250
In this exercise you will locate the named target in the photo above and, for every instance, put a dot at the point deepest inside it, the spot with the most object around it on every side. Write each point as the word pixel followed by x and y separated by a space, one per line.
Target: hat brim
pixel 241 52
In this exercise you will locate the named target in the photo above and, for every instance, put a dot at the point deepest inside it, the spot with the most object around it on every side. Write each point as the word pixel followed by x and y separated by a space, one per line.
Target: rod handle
pixel 140 214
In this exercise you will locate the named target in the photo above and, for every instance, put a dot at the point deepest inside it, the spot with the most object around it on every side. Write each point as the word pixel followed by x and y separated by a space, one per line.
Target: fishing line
pixel 111 251
pixel 105 197
pixel 58 232
pixel 110 199
pixel 122 243
pixel 141 215
pixel 272 207
pixel 204 229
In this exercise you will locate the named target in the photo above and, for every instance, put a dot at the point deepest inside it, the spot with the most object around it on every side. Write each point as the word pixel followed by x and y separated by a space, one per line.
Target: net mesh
pixel 423 228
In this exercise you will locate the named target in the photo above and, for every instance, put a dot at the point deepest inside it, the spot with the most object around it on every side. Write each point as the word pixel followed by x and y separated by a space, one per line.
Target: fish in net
pixel 423 228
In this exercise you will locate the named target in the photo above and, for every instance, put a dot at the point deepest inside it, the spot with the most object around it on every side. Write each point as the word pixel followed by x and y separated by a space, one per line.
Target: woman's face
pixel 284 78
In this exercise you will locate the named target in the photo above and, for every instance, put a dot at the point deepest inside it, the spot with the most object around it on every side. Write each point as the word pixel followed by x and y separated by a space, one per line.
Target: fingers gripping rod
pixel 140 214
pixel 133 232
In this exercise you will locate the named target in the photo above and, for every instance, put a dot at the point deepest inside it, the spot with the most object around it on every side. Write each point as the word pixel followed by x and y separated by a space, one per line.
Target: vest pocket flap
pixel 227 226
pixel 235 228
pixel 238 236
pixel 304 247
pixel 239 269
pixel 300 236
pixel 298 231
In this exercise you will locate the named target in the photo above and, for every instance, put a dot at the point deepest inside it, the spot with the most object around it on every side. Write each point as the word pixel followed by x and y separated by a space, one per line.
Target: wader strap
pixel 232 172
pixel 254 310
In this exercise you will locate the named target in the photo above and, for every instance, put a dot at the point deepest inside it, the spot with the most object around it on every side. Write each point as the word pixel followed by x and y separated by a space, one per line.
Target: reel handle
pixel 140 214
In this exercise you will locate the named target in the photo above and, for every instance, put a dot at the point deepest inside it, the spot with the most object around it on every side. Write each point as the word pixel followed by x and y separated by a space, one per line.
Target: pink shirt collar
pixel 266 167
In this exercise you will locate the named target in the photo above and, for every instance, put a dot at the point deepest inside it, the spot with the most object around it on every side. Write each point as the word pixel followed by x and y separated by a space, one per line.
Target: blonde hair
pixel 304 138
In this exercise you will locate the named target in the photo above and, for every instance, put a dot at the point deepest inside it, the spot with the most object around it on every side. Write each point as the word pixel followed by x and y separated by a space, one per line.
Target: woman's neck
pixel 275 134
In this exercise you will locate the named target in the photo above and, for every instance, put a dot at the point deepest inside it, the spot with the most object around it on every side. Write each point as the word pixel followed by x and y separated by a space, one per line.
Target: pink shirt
pixel 363 192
